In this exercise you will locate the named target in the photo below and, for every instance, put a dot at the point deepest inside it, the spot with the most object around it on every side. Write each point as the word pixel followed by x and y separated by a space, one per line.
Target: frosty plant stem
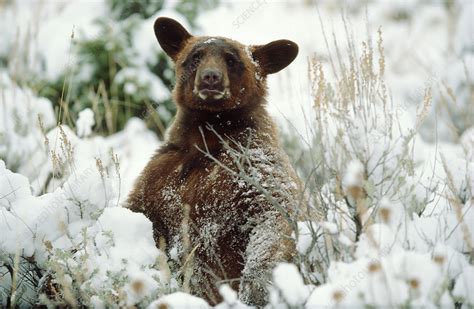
pixel 187 268
pixel 64 104
pixel 116 162
pixel 14 274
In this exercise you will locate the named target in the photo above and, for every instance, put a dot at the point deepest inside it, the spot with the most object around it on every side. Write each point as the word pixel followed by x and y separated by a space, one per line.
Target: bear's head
pixel 216 73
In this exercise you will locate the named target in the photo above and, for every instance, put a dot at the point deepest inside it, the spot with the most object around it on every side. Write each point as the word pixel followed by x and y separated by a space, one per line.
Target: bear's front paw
pixel 254 293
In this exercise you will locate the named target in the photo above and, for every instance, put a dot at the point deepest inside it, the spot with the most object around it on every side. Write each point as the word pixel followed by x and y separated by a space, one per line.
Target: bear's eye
pixel 230 60
pixel 197 56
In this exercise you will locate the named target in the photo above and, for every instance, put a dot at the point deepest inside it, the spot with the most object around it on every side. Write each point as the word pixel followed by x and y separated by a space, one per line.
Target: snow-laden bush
pixel 64 238
pixel 75 245
pixel 47 157
pixel 397 217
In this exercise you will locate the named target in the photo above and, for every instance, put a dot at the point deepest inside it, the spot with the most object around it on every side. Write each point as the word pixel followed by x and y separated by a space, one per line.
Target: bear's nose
pixel 211 78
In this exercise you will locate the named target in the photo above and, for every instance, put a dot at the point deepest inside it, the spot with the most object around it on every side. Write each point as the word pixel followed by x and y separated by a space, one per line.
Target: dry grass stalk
pixel 100 168
pixel 423 111
pixel 458 208
pixel 116 163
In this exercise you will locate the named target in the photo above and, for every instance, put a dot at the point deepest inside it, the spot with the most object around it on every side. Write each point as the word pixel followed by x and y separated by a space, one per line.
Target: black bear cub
pixel 220 189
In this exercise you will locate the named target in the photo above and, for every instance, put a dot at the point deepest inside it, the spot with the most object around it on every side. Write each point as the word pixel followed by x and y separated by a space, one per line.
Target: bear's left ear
pixel 171 35
pixel 275 55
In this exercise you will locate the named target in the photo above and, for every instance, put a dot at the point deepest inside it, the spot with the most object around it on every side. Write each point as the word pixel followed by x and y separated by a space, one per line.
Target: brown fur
pixel 236 235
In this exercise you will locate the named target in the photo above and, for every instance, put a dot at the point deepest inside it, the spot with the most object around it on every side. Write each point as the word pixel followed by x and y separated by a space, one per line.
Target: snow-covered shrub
pixel 47 157
pixel 64 239
pixel 75 246
pixel 397 219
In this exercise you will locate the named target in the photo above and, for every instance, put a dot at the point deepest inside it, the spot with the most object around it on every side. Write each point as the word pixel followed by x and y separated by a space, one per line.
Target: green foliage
pixel 92 81
pixel 105 76
pixel 191 8
pixel 144 8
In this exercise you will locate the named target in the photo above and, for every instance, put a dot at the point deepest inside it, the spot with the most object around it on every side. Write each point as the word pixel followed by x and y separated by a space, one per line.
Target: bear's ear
pixel 275 55
pixel 171 35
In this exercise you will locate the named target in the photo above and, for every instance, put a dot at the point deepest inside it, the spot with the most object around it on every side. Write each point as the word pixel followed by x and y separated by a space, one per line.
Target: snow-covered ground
pixel 417 249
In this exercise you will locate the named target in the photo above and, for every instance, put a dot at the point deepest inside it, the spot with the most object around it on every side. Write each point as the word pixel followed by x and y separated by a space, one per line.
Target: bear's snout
pixel 209 84
pixel 211 79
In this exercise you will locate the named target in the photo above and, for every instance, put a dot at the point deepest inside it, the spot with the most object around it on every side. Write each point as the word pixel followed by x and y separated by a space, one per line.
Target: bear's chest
pixel 211 190
pixel 207 185
pixel 207 198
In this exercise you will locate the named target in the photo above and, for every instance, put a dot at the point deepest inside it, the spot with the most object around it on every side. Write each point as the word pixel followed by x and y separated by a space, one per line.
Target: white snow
pixel 210 40
pixel 229 295
pixel 288 284
pixel 85 122
pixel 465 285
pixel 43 32
pixel 142 76
pixel 354 176
pixel 179 300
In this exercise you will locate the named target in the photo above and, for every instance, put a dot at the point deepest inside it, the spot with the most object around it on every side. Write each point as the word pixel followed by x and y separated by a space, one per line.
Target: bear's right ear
pixel 275 55
pixel 171 35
